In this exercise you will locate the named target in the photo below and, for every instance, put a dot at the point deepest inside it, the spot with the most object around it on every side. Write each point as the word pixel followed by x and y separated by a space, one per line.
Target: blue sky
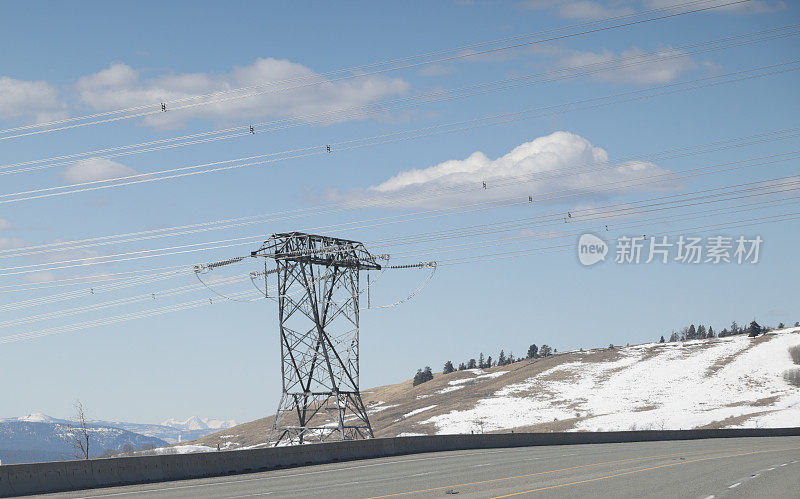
pixel 66 60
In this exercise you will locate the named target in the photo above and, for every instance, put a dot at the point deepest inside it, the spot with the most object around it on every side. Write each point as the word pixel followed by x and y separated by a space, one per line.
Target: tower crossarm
pixel 318 250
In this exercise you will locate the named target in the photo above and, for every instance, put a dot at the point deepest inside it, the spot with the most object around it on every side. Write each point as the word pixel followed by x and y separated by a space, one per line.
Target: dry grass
pixel 792 376
pixel 795 353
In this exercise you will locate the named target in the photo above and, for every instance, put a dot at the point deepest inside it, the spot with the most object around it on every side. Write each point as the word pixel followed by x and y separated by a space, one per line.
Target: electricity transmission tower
pixel 318 291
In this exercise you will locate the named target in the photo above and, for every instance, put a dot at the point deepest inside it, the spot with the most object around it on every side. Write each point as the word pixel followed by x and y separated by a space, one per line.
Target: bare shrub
pixel 80 434
pixel 795 353
pixel 792 376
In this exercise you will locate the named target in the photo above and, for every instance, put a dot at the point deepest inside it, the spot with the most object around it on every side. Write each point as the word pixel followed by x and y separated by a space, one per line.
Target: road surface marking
pixel 546 472
pixel 275 476
pixel 643 469
pixel 734 485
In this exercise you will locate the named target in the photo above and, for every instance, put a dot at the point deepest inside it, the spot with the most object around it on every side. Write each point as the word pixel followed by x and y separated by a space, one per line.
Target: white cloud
pixel 751 7
pixel 39 277
pixel 579 9
pixel 5 224
pixel 638 67
pixel 120 86
pixel 437 70
pixel 87 170
pixel 36 100
pixel 556 162
pixel 11 242
pixel 588 9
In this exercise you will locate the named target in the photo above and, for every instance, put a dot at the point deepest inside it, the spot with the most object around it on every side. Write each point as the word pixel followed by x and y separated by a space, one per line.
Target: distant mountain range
pixel 195 423
pixel 38 437
pixel 23 441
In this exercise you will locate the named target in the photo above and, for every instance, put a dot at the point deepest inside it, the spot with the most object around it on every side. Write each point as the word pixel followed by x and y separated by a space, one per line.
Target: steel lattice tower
pixel 318 291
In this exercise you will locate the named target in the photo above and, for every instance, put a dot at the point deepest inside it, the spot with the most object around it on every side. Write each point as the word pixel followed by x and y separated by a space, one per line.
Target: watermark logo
pixel 663 249
pixel 591 249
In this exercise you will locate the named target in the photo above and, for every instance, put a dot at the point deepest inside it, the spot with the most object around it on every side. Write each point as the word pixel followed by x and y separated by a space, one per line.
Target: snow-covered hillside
pixel 731 382
pixel 715 383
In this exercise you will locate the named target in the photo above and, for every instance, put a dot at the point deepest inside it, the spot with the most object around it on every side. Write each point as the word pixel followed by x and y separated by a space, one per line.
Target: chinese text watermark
pixel 714 250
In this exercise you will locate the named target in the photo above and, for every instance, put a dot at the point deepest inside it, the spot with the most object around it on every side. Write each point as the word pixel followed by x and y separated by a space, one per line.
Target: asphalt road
pixel 736 467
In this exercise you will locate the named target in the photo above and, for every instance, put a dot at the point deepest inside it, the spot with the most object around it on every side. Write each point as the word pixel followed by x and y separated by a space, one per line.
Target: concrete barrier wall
pixel 22 479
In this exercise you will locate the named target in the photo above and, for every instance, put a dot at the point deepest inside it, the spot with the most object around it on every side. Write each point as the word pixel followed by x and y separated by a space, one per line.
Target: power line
pixel 681 152
pixel 492 120
pixel 403 102
pixel 158 108
pixel 482 258
pixel 247 240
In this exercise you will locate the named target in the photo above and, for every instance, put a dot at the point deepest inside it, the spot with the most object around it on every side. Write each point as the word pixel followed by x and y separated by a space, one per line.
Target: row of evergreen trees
pixel 534 352
pixel 700 332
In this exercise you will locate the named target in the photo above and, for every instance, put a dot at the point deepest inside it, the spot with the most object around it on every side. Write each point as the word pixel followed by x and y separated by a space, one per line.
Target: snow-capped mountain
pixel 38 417
pixel 197 423
pixel 40 438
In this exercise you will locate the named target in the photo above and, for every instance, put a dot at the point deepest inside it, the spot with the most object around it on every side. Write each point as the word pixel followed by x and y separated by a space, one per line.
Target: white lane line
pixel 770 469
pixel 784 464
pixel 250 495
pixel 710 497
pixel 210 484
pixel 418 474
pixel 735 485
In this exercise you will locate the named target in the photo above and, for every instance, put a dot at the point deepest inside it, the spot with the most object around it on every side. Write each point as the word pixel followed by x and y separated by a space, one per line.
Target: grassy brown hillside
pixel 703 383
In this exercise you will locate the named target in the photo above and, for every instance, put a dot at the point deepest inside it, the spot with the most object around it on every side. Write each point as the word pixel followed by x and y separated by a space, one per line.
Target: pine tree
pixel 471 364
pixel 448 368
pixel 501 359
pixel 533 351
pixel 662 339
pixel 781 325
pixel 462 366
pixel 710 333
pixel 691 333
pixel 545 351
pixel 481 361
pixel 724 333
pixel 754 329
pixel 511 358
pixel 418 377
pixel 673 337
pixel 734 328
pixel 701 332
pixel 427 374
pixel 489 362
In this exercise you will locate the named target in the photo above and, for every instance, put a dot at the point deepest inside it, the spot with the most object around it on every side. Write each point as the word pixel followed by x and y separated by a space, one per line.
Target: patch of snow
pixel 479 375
pixel 184 449
pixel 380 407
pixel 448 389
pixel 461 381
pixel 417 411
pixel 411 434
pixel 651 386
